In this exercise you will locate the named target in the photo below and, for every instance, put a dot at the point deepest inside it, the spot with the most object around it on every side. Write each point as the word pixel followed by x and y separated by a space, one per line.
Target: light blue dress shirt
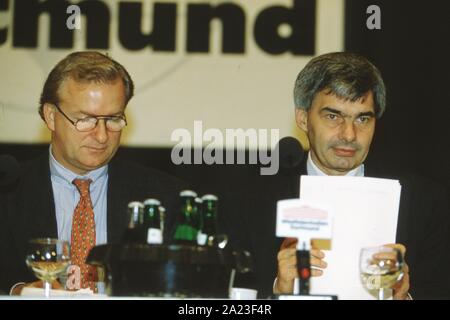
pixel 66 198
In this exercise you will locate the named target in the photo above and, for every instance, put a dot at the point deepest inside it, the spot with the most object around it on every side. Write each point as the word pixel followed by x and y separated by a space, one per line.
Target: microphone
pixel 291 153
pixel 9 170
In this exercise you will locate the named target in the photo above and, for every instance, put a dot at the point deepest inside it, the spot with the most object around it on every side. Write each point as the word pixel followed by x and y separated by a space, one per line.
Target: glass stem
pixel 47 287
pixel 380 294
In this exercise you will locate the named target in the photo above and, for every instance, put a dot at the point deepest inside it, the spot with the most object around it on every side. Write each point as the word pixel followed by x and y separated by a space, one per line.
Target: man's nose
pixel 101 134
pixel 348 131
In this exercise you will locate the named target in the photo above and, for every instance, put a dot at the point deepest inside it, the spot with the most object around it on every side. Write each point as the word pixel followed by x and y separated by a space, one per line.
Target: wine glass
pixel 48 259
pixel 380 268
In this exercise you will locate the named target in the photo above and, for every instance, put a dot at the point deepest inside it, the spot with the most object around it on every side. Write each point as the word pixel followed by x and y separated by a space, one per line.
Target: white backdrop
pixel 251 90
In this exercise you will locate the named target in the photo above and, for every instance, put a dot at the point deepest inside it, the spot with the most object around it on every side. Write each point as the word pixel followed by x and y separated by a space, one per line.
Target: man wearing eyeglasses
pixel 78 192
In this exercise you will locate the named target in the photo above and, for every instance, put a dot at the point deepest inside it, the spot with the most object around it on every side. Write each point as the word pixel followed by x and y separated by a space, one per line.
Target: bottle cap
pixel 207 197
pixel 188 193
pixel 133 204
pixel 198 200
pixel 152 201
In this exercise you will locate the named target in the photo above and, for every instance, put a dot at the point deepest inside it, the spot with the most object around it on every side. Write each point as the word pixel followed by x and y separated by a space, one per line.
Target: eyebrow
pixel 361 114
pixel 117 114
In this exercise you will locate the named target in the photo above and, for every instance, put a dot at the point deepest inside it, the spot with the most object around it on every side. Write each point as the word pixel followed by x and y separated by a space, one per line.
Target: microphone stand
pixel 304 270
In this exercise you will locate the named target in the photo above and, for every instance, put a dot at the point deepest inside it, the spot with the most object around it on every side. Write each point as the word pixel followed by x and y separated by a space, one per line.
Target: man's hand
pixel 401 288
pixel 287 266
pixel 17 290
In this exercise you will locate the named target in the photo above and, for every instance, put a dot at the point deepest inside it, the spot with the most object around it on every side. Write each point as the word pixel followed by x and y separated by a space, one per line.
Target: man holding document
pixel 338 98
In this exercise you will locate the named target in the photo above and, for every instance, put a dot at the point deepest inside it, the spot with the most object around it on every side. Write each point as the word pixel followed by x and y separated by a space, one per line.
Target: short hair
pixel 84 66
pixel 349 76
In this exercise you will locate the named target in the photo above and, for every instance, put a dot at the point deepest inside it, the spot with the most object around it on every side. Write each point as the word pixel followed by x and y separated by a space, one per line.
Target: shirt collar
pixel 313 169
pixel 63 174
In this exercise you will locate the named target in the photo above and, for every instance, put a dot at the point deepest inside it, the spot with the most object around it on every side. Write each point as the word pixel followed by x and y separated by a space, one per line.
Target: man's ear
pixel 49 116
pixel 301 118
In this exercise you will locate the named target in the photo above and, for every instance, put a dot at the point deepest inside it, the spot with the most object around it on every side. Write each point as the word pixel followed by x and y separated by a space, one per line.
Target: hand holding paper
pixel 366 212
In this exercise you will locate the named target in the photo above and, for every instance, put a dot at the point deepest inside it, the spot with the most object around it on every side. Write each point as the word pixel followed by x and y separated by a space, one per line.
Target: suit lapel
pixel 404 209
pixel 300 171
pixel 33 211
pixel 46 225
pixel 116 203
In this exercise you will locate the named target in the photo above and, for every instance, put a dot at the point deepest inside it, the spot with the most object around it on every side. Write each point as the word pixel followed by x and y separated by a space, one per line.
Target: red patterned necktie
pixel 83 234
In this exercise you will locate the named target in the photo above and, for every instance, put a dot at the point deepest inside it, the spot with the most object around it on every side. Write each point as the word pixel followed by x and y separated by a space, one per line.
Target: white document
pixel 365 215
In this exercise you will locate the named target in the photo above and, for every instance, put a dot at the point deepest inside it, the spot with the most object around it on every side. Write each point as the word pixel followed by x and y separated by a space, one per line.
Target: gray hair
pixel 347 75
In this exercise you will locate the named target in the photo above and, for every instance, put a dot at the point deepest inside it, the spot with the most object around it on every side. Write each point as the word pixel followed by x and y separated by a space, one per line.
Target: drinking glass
pixel 48 259
pixel 380 268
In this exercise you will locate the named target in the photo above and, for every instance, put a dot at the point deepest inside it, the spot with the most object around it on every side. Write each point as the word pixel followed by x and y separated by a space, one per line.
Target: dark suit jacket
pixel 423 227
pixel 28 210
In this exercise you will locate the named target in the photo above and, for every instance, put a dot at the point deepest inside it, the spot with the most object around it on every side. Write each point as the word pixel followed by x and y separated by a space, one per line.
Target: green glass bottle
pixel 197 216
pixel 186 229
pixel 134 233
pixel 152 221
pixel 208 230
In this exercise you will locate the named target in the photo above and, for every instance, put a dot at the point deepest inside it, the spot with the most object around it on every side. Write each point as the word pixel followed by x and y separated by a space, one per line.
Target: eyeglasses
pixel 112 123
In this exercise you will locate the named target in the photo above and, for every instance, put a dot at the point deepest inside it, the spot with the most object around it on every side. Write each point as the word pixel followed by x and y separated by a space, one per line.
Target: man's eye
pixel 331 116
pixel 363 120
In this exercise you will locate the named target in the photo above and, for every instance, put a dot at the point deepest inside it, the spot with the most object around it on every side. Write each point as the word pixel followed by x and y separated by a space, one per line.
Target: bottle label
pixel 154 236
pixel 186 233
pixel 202 238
